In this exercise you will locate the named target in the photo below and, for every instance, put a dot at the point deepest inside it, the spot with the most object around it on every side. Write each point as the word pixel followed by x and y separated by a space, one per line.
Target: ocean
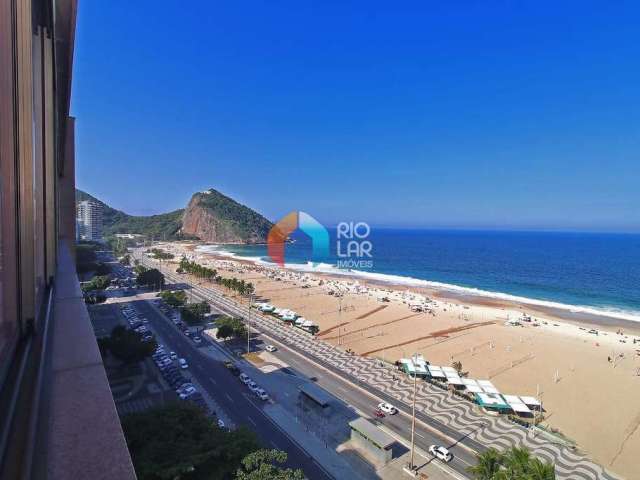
pixel 581 272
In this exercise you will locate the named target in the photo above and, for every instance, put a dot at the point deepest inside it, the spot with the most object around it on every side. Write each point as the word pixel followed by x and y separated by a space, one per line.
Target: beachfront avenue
pixel 456 422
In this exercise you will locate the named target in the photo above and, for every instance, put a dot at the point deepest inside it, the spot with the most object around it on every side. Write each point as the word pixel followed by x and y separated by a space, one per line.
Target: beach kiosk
pixel 517 405
pixel 472 385
pixel 372 440
pixel 492 401
pixel 456 381
pixel 420 364
pixel 436 372
pixel 407 366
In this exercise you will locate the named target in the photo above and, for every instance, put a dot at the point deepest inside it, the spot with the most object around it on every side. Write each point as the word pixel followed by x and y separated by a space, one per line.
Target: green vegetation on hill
pixel 233 216
pixel 236 222
pixel 159 227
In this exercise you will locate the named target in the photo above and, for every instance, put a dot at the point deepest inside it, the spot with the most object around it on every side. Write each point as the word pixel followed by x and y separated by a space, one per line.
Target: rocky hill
pixel 210 216
pixel 214 217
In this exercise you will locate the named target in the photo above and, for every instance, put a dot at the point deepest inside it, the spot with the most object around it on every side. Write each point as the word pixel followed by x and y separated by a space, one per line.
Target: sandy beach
pixel 589 383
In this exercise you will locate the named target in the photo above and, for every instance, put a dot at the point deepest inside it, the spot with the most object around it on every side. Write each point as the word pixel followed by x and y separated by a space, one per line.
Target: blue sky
pixel 427 114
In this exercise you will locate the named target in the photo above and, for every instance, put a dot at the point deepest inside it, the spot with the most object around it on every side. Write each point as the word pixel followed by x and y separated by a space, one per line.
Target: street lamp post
pixel 339 319
pixel 249 323
pixel 413 422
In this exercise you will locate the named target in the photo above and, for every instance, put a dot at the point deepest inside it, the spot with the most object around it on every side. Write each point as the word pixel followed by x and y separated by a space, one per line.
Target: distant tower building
pixel 89 220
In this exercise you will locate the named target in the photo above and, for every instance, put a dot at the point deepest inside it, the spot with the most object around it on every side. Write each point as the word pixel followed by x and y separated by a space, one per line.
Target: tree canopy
pixel 193 313
pixel 161 254
pixel 262 465
pixel 175 298
pixel 230 327
pixel 152 278
pixel 128 345
pixel 516 463
pixel 180 441
pixel 200 271
pixel 99 282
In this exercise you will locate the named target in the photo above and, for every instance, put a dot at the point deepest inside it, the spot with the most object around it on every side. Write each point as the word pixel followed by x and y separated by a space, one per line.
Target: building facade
pixel 57 416
pixel 89 220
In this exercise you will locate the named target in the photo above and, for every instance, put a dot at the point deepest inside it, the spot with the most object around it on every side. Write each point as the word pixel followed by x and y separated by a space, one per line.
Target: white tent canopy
pixel 531 401
pixel 488 387
pixel 516 404
pixel 474 388
pixel 436 371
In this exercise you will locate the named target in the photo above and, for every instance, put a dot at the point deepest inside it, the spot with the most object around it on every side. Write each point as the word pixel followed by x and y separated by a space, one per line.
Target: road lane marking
pixel 252 421
pixel 213 381
pixel 229 397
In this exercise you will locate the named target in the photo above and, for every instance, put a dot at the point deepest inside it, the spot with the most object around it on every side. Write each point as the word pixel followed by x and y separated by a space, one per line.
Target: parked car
pixel 232 368
pixel 183 388
pixel 173 355
pixel 187 393
pixel 387 408
pixel 253 386
pixel 183 363
pixel 197 340
pixel 270 348
pixel 244 378
pixel 262 394
pixel 441 453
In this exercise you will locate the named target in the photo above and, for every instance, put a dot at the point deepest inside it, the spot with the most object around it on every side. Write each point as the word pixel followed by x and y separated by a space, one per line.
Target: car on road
pixel 262 394
pixel 441 453
pixel 244 378
pixel 183 363
pixel 253 386
pixel 187 393
pixel 173 355
pixel 270 348
pixel 387 408
pixel 232 367
pixel 186 387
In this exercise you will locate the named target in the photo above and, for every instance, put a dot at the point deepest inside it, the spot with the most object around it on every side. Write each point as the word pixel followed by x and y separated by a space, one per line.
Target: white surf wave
pixel 311 267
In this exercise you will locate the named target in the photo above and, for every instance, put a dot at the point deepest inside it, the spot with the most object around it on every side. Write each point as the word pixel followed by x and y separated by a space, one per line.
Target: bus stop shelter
pixel 372 440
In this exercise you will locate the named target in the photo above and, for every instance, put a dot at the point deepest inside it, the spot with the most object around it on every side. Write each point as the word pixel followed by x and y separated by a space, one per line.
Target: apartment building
pixel 57 416
pixel 89 220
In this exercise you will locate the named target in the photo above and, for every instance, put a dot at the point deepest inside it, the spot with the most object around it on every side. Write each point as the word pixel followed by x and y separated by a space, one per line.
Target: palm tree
pixel 516 461
pixel 515 464
pixel 489 463
pixel 539 470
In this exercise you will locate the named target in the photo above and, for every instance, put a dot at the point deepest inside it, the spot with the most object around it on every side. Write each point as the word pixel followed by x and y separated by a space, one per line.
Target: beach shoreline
pixel 455 293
